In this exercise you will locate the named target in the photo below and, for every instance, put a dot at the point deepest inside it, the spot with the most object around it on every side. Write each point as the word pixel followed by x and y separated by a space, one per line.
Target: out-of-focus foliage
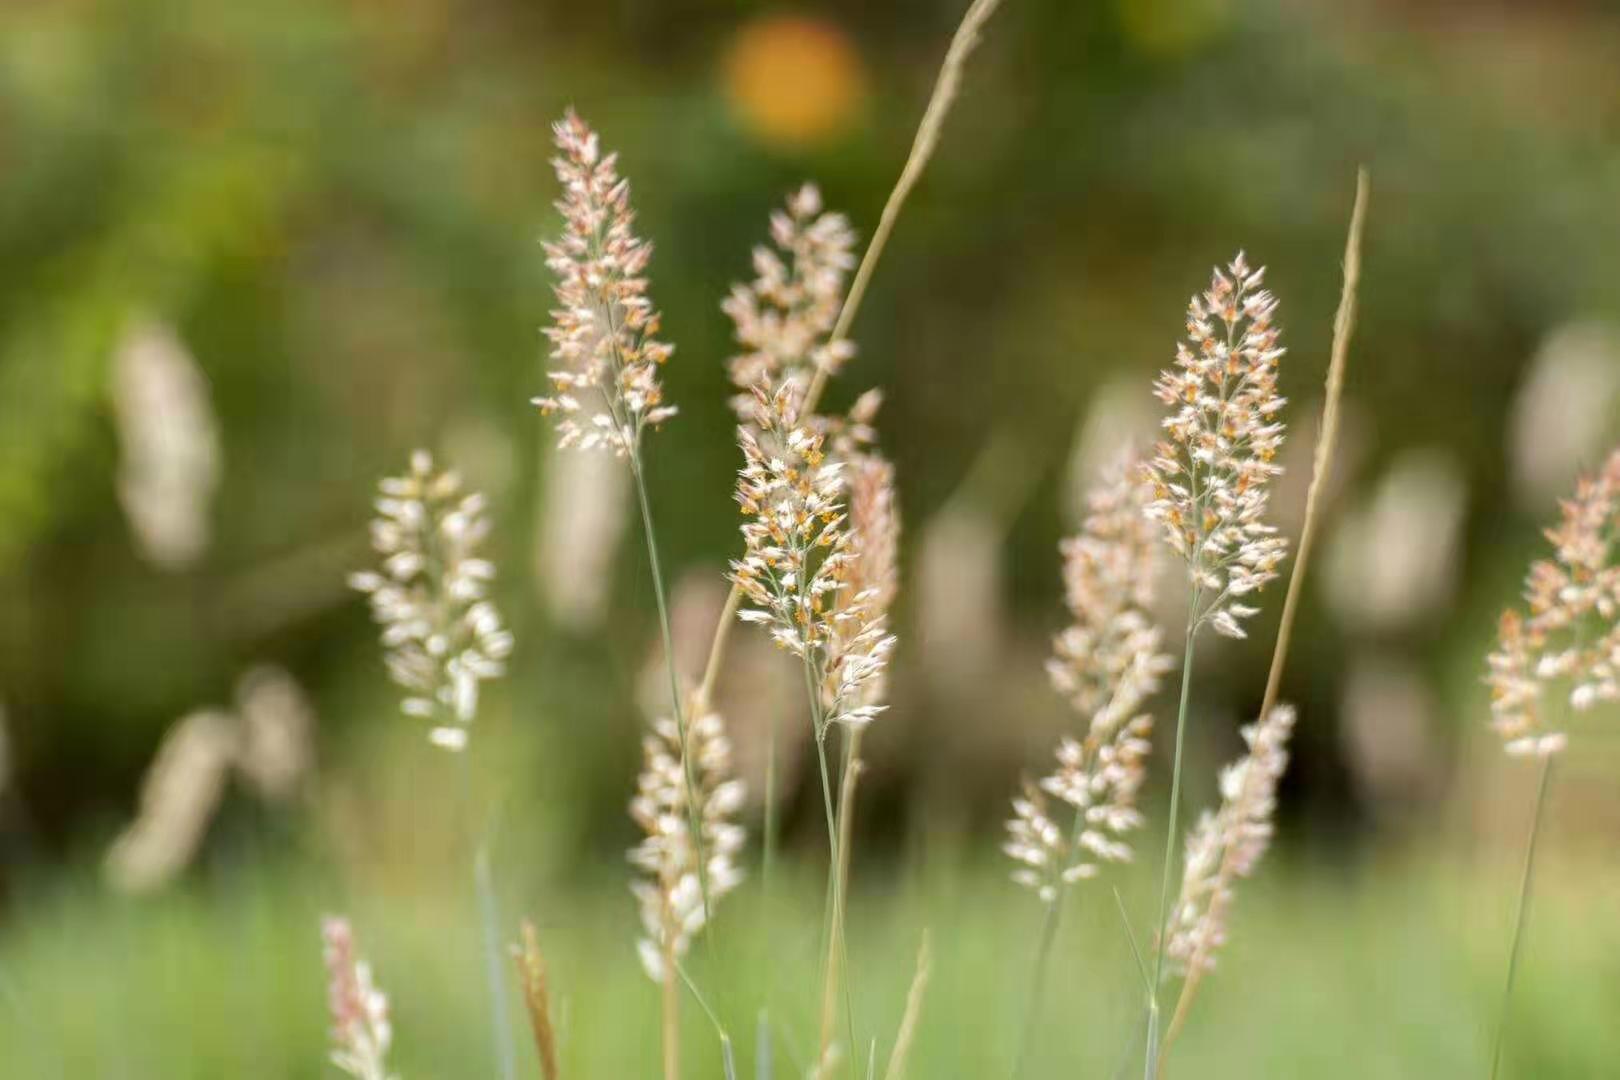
pixel 334 204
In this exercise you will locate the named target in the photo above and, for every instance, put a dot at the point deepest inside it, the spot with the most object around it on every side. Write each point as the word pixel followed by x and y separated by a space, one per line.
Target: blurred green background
pixel 322 217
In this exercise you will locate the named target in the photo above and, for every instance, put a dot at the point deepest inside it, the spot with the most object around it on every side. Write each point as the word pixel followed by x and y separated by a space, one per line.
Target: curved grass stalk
pixel 837 948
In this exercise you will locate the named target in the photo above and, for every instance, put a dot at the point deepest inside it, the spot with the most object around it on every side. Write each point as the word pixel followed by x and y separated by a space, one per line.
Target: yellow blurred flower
pixel 794 80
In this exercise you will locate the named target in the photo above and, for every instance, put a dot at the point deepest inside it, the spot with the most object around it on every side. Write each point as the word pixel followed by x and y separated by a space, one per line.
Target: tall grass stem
pixel 1037 983
pixel 489 917
pixel 1170 842
pixel 694 822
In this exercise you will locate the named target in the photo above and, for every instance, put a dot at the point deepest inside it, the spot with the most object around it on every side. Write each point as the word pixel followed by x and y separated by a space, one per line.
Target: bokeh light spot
pixel 794 80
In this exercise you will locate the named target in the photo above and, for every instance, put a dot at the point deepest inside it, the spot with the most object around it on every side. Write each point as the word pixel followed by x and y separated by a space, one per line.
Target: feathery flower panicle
pixel 441 633
pixel 1210 474
pixel 784 316
pixel 801 558
pixel 1096 783
pixel 603 334
pixel 1107 663
pixel 361 1033
pixel 854 681
pixel 1228 843
pixel 797 547
pixel 1570 638
pixel 671 892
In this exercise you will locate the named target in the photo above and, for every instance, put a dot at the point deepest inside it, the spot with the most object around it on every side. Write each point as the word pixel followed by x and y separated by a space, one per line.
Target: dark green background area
pixel 337 203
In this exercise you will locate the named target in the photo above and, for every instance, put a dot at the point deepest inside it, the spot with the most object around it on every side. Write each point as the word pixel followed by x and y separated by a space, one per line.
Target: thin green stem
pixel 694 821
pixel 768 858
pixel 1524 908
pixel 834 903
pixel 727 1058
pixel 1037 983
pixel 489 916
pixel 1170 844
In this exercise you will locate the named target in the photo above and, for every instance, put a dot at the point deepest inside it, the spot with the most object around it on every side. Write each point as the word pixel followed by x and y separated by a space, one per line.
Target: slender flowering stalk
pixel 782 322
pixel 1106 663
pixel 1326 443
pixel 1228 843
pixel 361 1033
pixel 604 344
pixel 1565 648
pixel 671 860
pixel 804 571
pixel 1209 479
pixel 606 391
pixel 442 634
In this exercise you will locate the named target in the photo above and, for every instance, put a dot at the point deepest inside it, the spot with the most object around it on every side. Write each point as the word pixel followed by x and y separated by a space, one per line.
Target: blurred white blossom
pixel 1394 558
pixel 583 514
pixel 169 444
pixel 440 631
pixel 277 722
pixel 179 795
pixel 1567 411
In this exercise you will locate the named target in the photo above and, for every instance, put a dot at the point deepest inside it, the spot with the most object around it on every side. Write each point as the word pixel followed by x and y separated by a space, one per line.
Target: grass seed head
pixel 604 349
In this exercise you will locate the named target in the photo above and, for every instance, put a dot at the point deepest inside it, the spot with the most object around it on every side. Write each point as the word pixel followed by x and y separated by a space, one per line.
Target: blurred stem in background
pixel 489 917
pixel 1525 879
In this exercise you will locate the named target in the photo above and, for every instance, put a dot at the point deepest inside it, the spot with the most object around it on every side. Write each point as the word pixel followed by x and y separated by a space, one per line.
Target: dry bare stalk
pixel 946 87
pixel 909 1019
pixel 1343 326
pixel 837 952
pixel 532 974
pixel 671 1012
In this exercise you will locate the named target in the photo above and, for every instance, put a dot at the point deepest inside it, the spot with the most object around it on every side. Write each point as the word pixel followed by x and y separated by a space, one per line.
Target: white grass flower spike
pixel 441 632
pixel 1568 644
pixel 1107 663
pixel 1211 471
pixel 605 387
